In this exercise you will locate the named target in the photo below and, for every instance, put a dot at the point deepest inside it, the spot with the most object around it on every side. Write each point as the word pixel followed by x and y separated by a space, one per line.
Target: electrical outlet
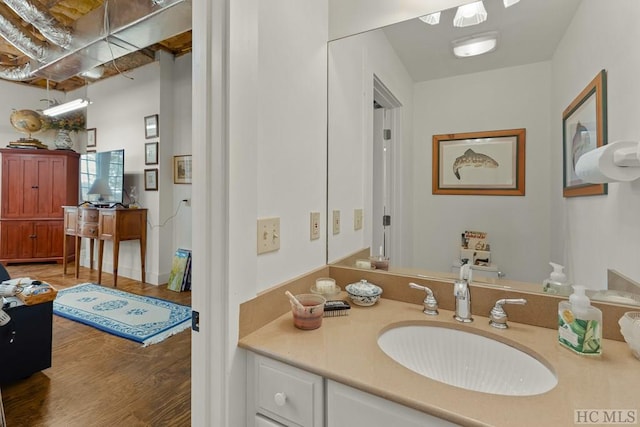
pixel 357 219
pixel 268 234
pixel 336 222
pixel 315 225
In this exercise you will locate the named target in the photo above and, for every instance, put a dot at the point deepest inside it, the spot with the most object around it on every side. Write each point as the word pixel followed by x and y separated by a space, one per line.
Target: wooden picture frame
pixel 182 172
pixel 584 128
pixel 479 163
pixel 92 137
pixel 151 153
pixel 151 179
pixel 151 129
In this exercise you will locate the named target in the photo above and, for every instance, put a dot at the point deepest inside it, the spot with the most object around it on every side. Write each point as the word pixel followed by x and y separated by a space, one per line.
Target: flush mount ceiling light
pixel 431 19
pixel 470 14
pixel 475 45
pixel 56 110
pixel 508 3
pixel 94 73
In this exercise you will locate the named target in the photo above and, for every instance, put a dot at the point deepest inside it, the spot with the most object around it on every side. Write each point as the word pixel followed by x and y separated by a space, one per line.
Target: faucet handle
pixel 430 303
pixel 498 317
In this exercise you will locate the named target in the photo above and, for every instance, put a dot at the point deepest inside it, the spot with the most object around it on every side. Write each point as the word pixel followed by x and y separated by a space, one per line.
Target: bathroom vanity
pixel 364 385
pixel 281 394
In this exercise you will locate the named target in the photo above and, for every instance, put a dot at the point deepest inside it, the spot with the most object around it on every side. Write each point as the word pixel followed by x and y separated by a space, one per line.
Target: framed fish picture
pixel 488 163
pixel 584 128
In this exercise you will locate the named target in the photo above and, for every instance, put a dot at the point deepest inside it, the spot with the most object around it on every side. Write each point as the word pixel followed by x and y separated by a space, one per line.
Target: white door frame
pixel 387 100
pixel 209 353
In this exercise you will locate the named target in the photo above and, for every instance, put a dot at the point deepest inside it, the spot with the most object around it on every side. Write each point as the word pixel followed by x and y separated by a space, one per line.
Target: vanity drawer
pixel 88 215
pixel 88 230
pixel 286 394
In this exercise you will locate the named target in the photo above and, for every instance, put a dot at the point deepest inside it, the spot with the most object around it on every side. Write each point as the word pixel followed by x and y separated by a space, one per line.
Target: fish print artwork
pixel 476 160
pixel 580 143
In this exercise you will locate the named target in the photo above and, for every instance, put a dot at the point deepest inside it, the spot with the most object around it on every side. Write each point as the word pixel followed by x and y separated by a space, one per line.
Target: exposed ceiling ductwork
pixel 42 20
pixel 115 29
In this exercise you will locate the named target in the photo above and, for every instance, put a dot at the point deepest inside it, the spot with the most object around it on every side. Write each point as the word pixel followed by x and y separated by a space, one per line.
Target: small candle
pixel 325 285
pixel 363 263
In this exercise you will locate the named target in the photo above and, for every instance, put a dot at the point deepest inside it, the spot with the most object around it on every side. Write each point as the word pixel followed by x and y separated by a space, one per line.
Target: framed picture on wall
pixel 480 163
pixel 151 129
pixel 151 153
pixel 182 173
pixel 151 179
pixel 584 128
pixel 91 137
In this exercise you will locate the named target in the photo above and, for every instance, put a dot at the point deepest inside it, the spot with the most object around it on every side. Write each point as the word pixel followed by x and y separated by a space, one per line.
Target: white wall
pixel 594 233
pixel 117 112
pixel 17 96
pixel 181 144
pixel 276 153
pixel 353 62
pixel 506 98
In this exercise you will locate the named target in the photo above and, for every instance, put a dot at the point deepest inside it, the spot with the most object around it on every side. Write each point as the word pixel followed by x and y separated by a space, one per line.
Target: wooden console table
pixel 114 224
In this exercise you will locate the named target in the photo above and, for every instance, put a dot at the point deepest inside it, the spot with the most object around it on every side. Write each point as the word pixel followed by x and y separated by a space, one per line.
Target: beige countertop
pixel 345 349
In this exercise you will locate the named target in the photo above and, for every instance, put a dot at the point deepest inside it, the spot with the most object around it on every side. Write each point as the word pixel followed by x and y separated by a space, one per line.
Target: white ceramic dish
pixel 364 293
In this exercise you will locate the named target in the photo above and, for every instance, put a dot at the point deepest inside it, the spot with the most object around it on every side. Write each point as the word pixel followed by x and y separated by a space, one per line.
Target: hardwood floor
pixel 97 379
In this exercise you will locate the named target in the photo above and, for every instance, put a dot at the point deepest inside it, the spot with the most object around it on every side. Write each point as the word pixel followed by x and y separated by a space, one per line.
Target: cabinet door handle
pixel 280 399
pixel 32 236
pixel 34 186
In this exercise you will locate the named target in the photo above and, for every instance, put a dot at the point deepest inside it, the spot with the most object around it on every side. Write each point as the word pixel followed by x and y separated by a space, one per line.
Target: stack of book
pixel 180 276
pixel 475 249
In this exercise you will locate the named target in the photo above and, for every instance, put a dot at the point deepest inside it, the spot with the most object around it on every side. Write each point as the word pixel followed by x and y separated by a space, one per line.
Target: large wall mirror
pixel 392 89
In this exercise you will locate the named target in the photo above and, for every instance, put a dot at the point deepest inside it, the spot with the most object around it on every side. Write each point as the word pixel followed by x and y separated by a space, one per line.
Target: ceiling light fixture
pixel 76 104
pixel 508 3
pixel 470 14
pixel 94 73
pixel 431 19
pixel 475 45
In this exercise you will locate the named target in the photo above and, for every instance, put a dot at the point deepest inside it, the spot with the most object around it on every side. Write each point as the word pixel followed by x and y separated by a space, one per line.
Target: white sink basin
pixel 467 360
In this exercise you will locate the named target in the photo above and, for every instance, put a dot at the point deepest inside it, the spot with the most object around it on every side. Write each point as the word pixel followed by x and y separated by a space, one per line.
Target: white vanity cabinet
pixel 281 395
pixel 347 406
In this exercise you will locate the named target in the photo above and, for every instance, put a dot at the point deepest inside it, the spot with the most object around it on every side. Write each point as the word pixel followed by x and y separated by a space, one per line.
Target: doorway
pixel 386 209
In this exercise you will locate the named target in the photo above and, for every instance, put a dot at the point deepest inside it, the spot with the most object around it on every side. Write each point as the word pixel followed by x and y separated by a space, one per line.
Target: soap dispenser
pixel 580 324
pixel 557 283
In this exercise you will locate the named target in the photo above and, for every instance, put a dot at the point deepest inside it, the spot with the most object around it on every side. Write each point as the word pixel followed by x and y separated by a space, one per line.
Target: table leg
pixel 116 250
pixel 64 254
pixel 77 259
pixel 143 251
pixel 91 245
pixel 100 252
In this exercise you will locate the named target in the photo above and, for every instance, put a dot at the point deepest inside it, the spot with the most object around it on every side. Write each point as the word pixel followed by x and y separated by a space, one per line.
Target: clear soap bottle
pixel 580 324
pixel 557 283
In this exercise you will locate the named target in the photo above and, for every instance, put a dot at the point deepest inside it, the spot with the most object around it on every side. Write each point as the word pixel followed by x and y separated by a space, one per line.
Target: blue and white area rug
pixel 146 320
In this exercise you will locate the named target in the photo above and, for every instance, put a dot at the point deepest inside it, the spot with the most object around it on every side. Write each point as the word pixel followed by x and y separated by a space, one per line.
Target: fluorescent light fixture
pixel 470 14
pixel 431 19
pixel 76 104
pixel 475 45
pixel 508 3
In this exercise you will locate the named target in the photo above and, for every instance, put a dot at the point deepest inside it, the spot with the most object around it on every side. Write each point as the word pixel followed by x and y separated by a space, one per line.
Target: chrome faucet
pixel 498 317
pixel 463 295
pixel 430 304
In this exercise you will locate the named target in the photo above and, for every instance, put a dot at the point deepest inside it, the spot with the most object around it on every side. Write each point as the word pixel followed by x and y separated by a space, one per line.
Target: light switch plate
pixel 315 226
pixel 336 222
pixel 268 235
pixel 357 219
